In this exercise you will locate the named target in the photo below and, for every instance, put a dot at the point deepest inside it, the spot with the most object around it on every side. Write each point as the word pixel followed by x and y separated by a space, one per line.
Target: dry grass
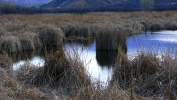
pixel 84 26
pixel 5 62
pixel 10 44
pixel 150 74
pixel 63 75
pixel 64 72
pixel 50 35
pixel 172 25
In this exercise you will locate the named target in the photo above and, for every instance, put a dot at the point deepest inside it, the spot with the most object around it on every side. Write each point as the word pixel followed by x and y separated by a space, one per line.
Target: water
pixel 101 63
pixel 162 42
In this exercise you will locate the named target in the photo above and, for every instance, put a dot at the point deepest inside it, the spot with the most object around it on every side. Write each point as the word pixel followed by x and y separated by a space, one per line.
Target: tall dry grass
pixel 151 75
pixel 110 39
pixel 64 77
pixel 64 72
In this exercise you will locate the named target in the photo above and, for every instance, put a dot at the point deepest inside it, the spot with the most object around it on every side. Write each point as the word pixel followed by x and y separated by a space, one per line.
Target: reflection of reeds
pixel 29 54
pixel 106 58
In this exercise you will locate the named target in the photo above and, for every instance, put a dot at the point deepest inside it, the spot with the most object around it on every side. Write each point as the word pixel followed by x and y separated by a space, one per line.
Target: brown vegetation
pixel 110 40
pixel 63 75
pixel 150 74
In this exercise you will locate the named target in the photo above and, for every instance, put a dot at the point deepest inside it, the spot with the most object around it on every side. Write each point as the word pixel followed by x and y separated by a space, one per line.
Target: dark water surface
pixel 101 63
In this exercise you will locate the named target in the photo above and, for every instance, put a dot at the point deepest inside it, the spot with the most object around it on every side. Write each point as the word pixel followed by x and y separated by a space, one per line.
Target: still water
pixel 101 63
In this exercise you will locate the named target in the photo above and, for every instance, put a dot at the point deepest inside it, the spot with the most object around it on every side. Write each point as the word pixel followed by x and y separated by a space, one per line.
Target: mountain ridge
pixel 109 4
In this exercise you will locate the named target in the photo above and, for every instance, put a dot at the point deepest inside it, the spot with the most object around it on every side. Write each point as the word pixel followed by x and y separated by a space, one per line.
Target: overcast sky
pixel 29 2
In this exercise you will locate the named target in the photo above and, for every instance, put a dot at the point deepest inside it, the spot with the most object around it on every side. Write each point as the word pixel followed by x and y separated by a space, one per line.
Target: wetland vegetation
pixel 63 76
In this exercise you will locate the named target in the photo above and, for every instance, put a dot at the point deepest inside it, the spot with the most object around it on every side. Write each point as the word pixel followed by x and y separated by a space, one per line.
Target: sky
pixel 29 2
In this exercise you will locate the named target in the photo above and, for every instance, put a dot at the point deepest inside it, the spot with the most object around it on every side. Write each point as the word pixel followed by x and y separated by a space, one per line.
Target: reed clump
pixel 172 25
pixel 156 26
pixel 10 44
pixel 50 35
pixel 78 30
pixel 110 39
pixel 31 38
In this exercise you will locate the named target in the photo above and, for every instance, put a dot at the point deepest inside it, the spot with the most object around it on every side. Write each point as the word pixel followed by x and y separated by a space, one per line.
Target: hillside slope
pixel 118 5
pixel 80 3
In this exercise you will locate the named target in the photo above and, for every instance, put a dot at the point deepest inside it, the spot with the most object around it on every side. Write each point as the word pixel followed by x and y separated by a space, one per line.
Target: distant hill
pixel 29 2
pixel 119 5
pixel 80 3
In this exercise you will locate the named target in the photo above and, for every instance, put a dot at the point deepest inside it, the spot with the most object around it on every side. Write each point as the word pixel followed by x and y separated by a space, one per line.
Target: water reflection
pixel 101 62
pixel 35 57
pixel 106 58
pixel 89 56
pixel 160 42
